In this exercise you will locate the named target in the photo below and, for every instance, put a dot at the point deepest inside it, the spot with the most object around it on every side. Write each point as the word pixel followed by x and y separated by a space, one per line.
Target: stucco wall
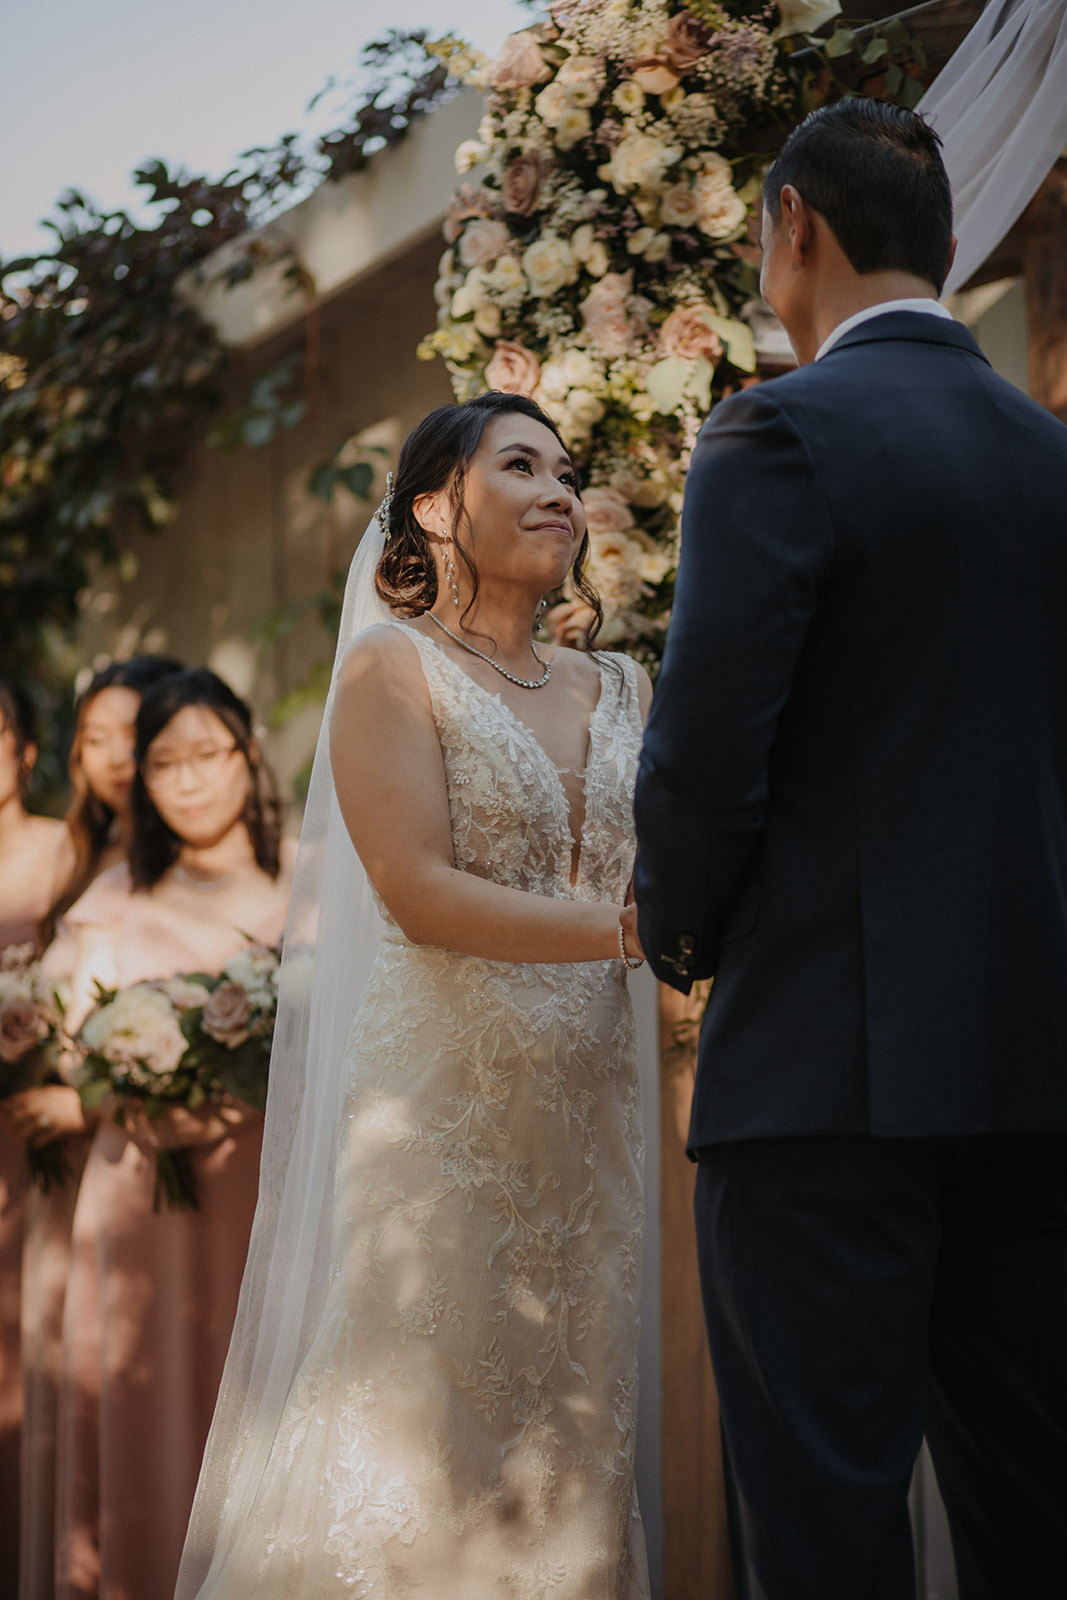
pixel 249 537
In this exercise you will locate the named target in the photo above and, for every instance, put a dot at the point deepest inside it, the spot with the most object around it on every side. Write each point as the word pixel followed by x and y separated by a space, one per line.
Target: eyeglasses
pixel 163 772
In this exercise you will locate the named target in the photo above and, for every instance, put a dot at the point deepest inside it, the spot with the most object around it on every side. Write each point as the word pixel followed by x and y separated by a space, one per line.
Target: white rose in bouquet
pixel 254 969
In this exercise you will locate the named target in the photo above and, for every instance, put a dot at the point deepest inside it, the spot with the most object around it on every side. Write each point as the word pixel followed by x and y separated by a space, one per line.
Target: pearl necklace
pixel 523 683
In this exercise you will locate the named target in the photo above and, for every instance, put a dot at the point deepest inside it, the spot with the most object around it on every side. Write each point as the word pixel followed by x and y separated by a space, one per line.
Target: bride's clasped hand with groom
pixel 852 811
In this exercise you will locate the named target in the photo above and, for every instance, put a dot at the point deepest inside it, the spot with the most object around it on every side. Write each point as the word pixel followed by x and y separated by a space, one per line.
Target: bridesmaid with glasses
pixel 152 1294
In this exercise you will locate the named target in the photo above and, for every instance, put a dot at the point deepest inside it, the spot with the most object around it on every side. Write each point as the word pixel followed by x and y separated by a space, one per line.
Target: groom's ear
pixel 797 224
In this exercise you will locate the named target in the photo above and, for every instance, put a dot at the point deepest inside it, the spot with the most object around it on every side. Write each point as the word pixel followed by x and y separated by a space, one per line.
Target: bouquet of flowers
pixel 32 1046
pixel 182 1041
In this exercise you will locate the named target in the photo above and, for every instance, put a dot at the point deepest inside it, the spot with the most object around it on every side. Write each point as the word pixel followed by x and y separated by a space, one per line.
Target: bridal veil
pixel 332 936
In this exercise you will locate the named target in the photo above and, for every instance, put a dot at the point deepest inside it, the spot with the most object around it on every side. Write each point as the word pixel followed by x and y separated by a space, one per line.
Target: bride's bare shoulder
pixel 386 645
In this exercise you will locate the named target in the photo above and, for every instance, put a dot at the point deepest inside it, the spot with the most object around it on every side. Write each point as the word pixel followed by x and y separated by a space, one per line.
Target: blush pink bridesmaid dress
pixel 150 1303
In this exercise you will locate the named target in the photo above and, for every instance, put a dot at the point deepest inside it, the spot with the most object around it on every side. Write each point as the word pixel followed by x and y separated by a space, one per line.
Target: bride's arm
pixel 390 781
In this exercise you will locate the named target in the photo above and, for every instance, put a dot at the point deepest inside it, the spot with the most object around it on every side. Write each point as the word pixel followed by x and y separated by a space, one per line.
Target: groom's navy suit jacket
pixel 852 802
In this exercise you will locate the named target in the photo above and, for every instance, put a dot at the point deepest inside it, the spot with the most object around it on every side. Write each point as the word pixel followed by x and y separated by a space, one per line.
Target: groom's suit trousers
pixel 856 1292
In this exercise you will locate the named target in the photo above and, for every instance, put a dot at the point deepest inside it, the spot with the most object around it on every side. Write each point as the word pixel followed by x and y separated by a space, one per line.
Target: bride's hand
pixel 631 937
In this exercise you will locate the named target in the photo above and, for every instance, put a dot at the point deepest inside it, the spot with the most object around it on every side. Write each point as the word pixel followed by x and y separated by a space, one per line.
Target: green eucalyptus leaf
pixel 737 341
pixel 875 50
pixel 700 379
pixel 666 383
pixel 839 43
pixel 323 481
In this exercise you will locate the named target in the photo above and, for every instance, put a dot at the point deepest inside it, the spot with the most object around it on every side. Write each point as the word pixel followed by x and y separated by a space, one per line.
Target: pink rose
pixel 522 183
pixel 519 64
pixel 685 333
pixel 482 241
pixel 606 511
pixel 160 1047
pixel 606 313
pixel 227 1014
pixel 512 368
pixel 688 39
pixel 21 1029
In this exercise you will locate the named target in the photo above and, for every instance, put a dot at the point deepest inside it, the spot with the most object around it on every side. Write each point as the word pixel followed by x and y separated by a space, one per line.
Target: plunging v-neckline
pixel 576 834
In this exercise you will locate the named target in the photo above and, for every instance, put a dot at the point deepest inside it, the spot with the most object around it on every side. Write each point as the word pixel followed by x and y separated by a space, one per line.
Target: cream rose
pixel 606 512
pixel 512 368
pixel 581 69
pixel 722 213
pixel 639 161
pixel 583 409
pixel 714 173
pixel 227 1015
pixel 686 333
pixel 680 207
pixel 482 241
pixel 606 313
pixel 549 264
pixel 551 103
pixel 22 1028
pixel 519 64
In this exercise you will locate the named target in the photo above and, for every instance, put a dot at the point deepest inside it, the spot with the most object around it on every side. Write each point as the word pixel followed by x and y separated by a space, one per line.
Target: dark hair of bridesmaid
pixel 89 817
pixel 155 846
pixel 17 712
pixel 435 455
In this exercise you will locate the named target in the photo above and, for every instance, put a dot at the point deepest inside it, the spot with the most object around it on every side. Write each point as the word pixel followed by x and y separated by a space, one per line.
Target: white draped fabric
pixel 1000 106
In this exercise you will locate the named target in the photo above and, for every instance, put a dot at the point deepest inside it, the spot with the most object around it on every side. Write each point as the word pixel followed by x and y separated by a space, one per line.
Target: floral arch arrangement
pixel 600 256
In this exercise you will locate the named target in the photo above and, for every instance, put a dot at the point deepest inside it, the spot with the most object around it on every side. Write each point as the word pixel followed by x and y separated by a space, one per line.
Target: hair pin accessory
pixel 387 501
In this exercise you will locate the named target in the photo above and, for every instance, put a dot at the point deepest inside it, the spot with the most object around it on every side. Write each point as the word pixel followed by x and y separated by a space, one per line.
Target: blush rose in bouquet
pixel 189 1041
pixel 33 1048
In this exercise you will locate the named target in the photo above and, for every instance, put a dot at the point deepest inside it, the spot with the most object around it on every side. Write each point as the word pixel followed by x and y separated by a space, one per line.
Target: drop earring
pixel 450 571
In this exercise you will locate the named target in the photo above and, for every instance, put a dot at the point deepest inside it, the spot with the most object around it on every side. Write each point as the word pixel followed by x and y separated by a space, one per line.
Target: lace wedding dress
pixel 463 1424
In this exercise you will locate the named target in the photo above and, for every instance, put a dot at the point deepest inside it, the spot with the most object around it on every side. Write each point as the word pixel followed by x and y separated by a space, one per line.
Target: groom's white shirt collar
pixel 932 308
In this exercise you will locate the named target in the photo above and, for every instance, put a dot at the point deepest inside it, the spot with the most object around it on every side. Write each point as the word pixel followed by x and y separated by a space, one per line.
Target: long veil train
pixel 332 936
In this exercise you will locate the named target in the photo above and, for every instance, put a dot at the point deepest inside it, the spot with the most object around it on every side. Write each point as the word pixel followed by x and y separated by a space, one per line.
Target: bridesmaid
pixel 101 771
pixel 35 859
pixel 151 1295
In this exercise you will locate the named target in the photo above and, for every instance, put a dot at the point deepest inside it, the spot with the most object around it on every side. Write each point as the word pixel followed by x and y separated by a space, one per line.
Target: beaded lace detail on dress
pixel 463 1425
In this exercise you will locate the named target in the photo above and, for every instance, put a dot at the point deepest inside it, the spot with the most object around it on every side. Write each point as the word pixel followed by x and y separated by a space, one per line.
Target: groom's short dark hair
pixel 875 172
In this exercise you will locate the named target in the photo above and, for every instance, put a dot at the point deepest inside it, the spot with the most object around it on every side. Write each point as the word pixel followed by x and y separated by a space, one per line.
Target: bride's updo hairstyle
pixel 154 846
pixel 436 456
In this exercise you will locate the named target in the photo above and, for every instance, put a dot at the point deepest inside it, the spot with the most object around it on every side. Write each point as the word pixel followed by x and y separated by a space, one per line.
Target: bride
pixel 431 1388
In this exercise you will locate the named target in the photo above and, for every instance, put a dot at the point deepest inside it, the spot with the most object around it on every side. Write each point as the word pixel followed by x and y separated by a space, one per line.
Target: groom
pixel 852 810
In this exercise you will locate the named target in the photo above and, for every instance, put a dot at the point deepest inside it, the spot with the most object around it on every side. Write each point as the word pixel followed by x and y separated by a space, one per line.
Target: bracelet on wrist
pixel 629 962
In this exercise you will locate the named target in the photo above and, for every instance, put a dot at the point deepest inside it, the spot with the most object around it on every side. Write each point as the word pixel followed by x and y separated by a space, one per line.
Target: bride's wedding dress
pixel 462 1426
